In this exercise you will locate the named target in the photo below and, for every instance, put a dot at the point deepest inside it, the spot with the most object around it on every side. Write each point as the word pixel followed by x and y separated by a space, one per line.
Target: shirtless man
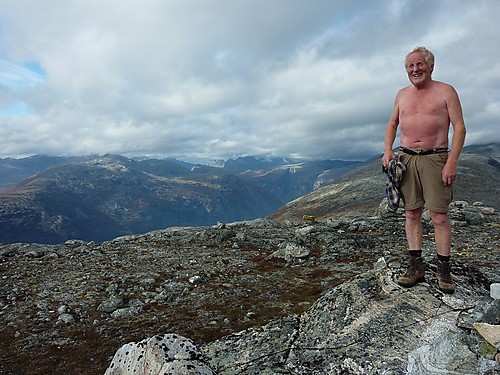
pixel 424 111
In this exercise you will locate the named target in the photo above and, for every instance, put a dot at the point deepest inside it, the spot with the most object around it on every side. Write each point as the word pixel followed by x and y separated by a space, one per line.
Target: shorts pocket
pixel 439 159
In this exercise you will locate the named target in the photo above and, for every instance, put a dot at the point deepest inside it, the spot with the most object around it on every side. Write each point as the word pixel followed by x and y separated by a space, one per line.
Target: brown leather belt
pixel 423 152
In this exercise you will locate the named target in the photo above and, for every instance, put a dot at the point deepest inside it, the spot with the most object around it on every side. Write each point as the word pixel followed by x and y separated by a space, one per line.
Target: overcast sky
pixel 214 79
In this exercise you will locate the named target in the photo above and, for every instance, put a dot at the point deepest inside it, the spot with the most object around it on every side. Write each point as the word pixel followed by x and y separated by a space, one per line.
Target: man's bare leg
pixel 413 228
pixel 442 232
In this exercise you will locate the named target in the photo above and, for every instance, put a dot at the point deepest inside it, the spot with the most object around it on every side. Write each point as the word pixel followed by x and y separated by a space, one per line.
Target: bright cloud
pixel 207 79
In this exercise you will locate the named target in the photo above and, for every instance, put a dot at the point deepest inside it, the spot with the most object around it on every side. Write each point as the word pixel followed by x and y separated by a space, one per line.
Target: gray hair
pixel 428 55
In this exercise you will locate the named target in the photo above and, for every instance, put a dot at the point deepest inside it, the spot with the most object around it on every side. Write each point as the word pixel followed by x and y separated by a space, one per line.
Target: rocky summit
pixel 254 297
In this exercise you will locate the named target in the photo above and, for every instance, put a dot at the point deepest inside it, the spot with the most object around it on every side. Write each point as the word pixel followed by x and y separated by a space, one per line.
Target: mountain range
pixel 97 198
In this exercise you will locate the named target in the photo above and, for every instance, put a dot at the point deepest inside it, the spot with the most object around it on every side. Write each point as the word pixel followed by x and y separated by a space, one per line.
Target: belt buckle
pixel 425 152
pixel 417 152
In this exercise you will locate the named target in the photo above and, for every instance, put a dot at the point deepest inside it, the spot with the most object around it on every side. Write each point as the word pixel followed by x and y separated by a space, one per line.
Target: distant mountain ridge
pixel 98 198
pixel 13 170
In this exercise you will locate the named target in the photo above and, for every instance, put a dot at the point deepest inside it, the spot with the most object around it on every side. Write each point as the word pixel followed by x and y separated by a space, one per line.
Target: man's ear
pixel 432 68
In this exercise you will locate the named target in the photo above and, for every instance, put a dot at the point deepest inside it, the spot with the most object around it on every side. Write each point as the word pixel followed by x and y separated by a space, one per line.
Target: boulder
pixel 159 355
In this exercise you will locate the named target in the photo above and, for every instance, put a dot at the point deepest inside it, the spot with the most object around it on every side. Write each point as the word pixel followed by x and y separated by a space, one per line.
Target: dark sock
pixel 444 258
pixel 415 253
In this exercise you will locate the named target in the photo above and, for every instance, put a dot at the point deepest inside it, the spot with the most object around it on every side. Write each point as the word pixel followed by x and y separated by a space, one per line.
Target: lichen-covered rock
pixel 291 251
pixel 443 350
pixel 159 355
pixel 490 332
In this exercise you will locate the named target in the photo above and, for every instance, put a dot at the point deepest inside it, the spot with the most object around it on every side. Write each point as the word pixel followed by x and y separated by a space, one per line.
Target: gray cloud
pixel 208 79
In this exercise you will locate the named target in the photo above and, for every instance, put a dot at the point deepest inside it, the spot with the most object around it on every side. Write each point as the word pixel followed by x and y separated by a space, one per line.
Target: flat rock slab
pixel 368 325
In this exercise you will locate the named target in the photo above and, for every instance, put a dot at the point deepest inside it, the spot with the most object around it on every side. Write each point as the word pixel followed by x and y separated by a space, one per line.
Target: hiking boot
pixel 414 274
pixel 443 275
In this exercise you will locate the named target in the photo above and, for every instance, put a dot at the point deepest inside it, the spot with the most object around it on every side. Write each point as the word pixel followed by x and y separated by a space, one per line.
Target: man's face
pixel 419 72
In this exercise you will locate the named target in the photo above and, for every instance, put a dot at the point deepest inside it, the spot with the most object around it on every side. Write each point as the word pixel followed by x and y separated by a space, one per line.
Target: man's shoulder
pixel 443 86
pixel 404 91
pixel 406 88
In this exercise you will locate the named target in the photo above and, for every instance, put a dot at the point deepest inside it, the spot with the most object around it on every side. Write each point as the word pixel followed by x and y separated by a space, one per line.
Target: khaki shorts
pixel 422 184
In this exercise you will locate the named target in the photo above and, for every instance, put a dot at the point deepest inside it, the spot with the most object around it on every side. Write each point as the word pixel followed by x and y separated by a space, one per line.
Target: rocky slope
pixel 359 191
pixel 368 325
pixel 294 179
pixel 67 308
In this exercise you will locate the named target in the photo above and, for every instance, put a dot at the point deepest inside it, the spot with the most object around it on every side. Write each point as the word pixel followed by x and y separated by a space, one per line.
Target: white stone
pixel 490 332
pixel 380 265
pixel 495 290
pixel 66 318
pixel 196 279
pixel 443 350
pixel 306 230
pixel 167 354
pixel 488 210
pixel 296 251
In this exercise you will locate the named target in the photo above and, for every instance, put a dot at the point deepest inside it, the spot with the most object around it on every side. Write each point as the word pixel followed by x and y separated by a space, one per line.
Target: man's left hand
pixel 449 174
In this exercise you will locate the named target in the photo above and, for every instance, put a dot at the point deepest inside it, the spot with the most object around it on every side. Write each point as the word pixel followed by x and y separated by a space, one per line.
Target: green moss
pixel 487 350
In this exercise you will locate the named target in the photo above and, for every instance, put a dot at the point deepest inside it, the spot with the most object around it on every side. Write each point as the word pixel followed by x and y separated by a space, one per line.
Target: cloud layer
pixel 210 79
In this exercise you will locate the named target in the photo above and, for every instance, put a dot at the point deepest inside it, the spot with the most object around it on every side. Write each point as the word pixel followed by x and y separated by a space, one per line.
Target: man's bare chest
pixel 426 106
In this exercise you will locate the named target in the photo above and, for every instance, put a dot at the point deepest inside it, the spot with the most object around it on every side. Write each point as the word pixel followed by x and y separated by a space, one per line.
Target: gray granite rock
pixel 113 303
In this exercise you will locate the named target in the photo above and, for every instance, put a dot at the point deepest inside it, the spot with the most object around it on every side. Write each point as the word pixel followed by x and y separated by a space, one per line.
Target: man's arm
pixel 449 173
pixel 390 134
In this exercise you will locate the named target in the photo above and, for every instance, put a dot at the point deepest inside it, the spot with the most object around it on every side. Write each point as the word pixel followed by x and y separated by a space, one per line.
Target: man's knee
pixel 414 215
pixel 440 218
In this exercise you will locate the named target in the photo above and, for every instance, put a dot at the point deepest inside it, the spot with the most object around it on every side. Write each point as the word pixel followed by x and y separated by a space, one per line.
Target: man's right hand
pixel 387 157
